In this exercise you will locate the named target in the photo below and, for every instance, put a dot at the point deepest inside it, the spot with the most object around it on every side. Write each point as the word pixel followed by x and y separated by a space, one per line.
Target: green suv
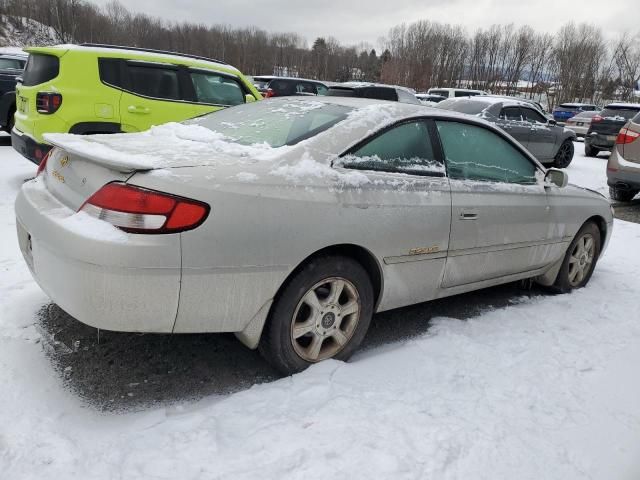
pixel 87 89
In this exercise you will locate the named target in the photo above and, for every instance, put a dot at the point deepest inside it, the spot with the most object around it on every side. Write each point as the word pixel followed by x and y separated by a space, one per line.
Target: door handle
pixel 138 109
pixel 468 214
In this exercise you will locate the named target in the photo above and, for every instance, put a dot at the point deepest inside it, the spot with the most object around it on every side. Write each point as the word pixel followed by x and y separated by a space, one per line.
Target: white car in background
pixel 429 99
pixel 581 122
pixel 455 92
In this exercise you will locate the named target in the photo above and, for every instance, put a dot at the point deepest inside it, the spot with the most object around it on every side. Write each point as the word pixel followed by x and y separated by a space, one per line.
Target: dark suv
pixel 286 86
pixel 605 127
pixel 374 90
pixel 11 67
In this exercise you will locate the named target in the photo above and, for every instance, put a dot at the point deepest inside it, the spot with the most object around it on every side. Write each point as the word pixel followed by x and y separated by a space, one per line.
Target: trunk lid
pixel 613 119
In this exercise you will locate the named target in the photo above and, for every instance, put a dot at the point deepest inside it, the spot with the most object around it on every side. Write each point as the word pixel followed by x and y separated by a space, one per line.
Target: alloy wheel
pixel 325 319
pixel 581 259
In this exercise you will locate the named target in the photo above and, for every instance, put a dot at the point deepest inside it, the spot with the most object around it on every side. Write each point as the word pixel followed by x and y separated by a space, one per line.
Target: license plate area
pixel 23 104
pixel 580 124
pixel 611 138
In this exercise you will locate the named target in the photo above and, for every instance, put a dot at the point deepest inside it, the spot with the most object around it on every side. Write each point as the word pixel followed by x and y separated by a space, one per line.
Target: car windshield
pixel 472 107
pixel 626 113
pixel 276 124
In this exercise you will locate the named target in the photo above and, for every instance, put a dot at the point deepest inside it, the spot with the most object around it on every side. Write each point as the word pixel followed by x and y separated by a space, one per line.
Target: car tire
pixel 564 155
pixel 10 121
pixel 590 151
pixel 580 259
pixel 622 195
pixel 323 311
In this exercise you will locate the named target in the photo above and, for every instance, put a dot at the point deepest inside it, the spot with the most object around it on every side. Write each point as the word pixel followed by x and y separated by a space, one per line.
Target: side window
pixel 109 69
pixel 217 89
pixel 511 113
pixel 405 148
pixel 532 116
pixel 476 153
pixel 305 88
pixel 322 90
pixel 155 82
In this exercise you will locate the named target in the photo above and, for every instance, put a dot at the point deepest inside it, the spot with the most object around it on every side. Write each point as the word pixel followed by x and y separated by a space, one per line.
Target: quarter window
pixel 476 153
pixel 405 148
pixel 217 89
pixel 155 82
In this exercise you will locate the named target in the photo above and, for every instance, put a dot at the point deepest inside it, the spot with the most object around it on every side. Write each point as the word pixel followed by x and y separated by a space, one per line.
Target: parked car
pixel 623 167
pixel 565 111
pixel 581 122
pixel 292 235
pixel 375 91
pixel 548 142
pixel 11 67
pixel 429 99
pixel 535 104
pixel 605 126
pixel 90 88
pixel 271 86
pixel 455 92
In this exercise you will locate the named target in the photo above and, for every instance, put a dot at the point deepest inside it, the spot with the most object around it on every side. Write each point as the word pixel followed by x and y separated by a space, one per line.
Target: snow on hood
pixel 163 146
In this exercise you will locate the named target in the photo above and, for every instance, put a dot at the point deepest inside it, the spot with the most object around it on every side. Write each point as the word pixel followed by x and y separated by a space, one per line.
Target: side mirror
pixel 248 98
pixel 556 177
pixel 552 122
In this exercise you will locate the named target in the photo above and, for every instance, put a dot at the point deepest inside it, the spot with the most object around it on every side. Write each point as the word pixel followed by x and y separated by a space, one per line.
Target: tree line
pixel 576 64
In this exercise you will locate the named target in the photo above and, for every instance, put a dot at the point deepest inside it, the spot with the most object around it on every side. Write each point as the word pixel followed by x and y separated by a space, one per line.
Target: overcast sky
pixel 367 21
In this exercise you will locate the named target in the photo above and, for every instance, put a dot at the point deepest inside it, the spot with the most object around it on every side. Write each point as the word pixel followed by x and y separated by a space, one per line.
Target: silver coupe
pixel 290 222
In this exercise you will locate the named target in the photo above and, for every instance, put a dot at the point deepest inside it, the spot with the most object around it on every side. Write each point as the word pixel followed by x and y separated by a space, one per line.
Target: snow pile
pixel 25 32
pixel 308 168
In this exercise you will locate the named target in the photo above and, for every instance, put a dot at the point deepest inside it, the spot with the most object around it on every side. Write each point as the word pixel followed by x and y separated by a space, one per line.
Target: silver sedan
pixel 290 222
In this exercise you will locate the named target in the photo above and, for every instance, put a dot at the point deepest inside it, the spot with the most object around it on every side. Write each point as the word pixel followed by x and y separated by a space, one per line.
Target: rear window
pixel 442 93
pixel 471 107
pixel 464 93
pixel 40 68
pixel 275 124
pixel 619 113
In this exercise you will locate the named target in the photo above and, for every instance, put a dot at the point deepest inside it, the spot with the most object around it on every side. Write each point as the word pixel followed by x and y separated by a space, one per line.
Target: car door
pixel 213 91
pixel 407 203
pixel 152 95
pixel 500 223
pixel 510 120
pixel 542 136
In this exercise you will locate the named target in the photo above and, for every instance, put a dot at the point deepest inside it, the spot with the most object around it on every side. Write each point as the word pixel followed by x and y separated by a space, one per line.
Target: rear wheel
pixel 322 312
pixel 622 195
pixel 11 120
pixel 564 155
pixel 580 259
pixel 590 151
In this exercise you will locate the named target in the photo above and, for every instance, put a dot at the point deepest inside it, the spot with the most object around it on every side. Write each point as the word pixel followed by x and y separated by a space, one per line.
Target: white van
pixel 455 92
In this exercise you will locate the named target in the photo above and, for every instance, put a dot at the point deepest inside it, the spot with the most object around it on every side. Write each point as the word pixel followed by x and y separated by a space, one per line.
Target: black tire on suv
pixel 622 195
pixel 564 155
pixel 590 151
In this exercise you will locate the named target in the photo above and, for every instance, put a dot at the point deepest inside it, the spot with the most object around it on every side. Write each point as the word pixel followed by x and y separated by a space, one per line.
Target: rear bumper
pixel 28 147
pixel 600 141
pixel 621 173
pixel 98 274
pixel 580 131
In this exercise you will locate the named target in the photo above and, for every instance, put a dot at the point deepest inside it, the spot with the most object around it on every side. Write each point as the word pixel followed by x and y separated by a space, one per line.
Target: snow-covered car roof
pixel 577 105
pixel 623 105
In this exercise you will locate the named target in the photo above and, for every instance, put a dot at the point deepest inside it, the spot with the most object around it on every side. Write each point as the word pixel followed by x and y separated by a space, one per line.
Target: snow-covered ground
pixel 545 388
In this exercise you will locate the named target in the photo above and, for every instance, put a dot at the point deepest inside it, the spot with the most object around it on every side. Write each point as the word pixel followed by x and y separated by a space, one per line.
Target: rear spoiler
pixel 96 152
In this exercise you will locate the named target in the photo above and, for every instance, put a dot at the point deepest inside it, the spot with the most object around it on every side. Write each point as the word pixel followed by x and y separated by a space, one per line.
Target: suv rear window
pixel 40 68
pixel 614 113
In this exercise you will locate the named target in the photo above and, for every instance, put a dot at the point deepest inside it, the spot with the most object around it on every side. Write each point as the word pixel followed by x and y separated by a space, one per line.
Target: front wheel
pixel 322 312
pixel 580 259
pixel 564 155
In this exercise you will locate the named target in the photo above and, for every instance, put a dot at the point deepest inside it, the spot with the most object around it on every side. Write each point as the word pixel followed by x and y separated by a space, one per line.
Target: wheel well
pixel 602 226
pixel 359 254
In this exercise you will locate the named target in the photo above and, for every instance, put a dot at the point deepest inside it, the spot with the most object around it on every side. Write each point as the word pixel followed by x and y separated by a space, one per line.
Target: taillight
pixel 139 210
pixel 270 93
pixel 627 135
pixel 596 119
pixel 43 163
pixel 48 103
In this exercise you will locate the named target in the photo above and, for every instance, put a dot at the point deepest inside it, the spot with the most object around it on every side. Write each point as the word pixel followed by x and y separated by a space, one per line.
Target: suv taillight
pixel 627 135
pixel 43 163
pixel 270 93
pixel 596 119
pixel 47 102
pixel 139 210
